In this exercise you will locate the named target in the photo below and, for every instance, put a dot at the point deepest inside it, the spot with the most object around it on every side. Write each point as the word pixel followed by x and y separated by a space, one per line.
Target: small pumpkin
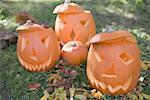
pixel 74 23
pixel 37 48
pixel 74 53
pixel 113 64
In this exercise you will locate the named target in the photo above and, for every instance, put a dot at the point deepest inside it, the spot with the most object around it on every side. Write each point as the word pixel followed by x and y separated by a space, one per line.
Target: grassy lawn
pixel 131 15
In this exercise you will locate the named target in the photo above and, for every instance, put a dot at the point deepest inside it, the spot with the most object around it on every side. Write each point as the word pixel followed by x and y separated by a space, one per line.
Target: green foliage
pixel 7 23
pixel 14 79
pixel 41 11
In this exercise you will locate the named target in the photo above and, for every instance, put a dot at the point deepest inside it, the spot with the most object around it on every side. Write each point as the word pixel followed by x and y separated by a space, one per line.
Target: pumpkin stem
pixel 28 22
pixel 67 2
pixel 72 45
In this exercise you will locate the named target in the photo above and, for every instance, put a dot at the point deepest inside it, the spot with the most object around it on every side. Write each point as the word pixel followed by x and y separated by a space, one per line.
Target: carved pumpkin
pixel 37 47
pixel 74 53
pixel 74 23
pixel 113 64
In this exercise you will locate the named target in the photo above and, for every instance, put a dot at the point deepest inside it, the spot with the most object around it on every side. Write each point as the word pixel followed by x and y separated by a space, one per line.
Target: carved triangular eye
pixel 83 22
pixel 125 57
pixel 64 22
pixel 72 35
pixel 45 41
pixel 97 56
pixel 24 43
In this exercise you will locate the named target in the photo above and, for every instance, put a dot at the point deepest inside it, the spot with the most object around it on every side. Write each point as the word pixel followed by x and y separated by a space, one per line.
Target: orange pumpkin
pixel 38 48
pixel 113 64
pixel 74 23
pixel 74 53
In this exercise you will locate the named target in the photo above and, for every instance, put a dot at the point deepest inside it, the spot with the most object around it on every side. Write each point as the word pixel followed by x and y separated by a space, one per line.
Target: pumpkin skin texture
pixel 113 64
pixel 74 53
pixel 37 48
pixel 73 23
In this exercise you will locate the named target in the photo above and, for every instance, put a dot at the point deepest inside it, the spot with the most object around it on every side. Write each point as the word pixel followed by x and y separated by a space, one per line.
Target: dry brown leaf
pixel 145 65
pixel 33 86
pixel 96 94
pixel 54 78
pixel 72 92
pixel 22 17
pixel 46 95
pixel 146 96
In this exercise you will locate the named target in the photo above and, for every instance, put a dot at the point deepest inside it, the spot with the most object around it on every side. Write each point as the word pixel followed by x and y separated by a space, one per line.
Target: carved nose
pixel 110 72
pixel 72 35
pixel 33 57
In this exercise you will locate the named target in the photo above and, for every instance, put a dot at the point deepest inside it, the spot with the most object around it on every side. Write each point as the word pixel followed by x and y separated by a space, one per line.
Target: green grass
pixel 128 14
pixel 14 79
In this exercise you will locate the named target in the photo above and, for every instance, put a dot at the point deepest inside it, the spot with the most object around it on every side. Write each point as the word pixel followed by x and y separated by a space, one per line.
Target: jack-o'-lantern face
pixel 73 23
pixel 37 48
pixel 113 62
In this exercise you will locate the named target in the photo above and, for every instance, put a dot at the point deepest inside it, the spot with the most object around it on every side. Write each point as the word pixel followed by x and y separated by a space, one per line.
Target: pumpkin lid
pixel 68 8
pixel 29 26
pixel 111 36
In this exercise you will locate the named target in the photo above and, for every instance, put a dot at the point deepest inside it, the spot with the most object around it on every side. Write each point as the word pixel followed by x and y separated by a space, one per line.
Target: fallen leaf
pixel 58 94
pixel 46 95
pixel 59 64
pixel 81 97
pixel 72 92
pixel 65 83
pixel 50 89
pixel 132 96
pixel 33 86
pixel 54 78
pixel 138 89
pixel 145 65
pixel 70 72
pixel 22 17
pixel 93 91
pixel 62 70
pixel 96 94
pixel 81 94
pixel 140 96
pixel 141 79
pixel 146 96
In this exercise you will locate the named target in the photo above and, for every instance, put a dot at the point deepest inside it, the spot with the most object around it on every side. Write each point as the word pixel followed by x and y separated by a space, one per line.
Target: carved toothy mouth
pixel 36 67
pixel 34 58
pixel 112 89
pixel 109 76
pixel 104 86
